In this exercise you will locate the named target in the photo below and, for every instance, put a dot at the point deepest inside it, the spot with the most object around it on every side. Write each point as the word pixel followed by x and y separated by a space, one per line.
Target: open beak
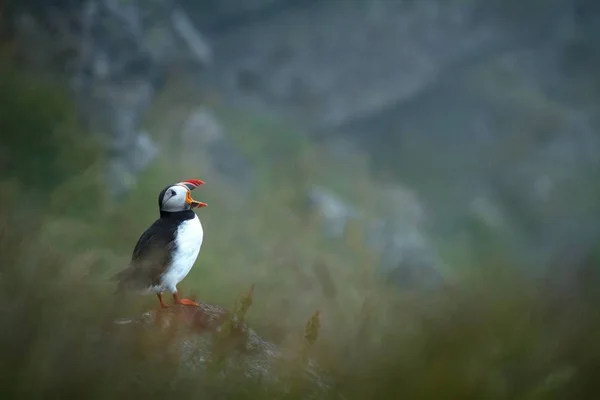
pixel 192 184
pixel 193 203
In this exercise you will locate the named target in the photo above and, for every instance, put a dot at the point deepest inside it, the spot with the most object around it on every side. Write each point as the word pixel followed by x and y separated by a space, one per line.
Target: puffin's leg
pixel 186 302
pixel 162 301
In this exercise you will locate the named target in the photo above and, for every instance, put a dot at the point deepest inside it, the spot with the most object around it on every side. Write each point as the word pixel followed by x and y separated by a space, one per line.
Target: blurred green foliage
pixel 41 142
pixel 492 335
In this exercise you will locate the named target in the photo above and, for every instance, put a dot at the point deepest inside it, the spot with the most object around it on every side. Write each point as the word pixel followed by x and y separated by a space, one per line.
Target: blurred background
pixel 425 173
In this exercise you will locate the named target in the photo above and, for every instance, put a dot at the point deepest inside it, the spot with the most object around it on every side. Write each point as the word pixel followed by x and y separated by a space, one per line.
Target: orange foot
pixel 162 301
pixel 186 302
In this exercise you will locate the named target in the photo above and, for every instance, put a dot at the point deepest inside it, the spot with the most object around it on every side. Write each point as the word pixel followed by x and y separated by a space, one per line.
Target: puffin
pixel 166 252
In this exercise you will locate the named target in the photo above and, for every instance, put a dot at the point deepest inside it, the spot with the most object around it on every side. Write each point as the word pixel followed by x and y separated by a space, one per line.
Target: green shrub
pixel 41 142
pixel 493 335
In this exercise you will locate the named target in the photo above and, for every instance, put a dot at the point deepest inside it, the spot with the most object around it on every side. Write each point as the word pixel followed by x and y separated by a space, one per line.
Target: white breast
pixel 188 241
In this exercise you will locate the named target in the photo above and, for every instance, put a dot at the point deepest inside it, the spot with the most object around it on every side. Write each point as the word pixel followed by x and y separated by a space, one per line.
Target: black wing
pixel 151 256
pixel 160 234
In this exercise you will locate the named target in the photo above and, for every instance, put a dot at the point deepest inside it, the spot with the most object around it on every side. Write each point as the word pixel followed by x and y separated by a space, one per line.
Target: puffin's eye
pixel 173 193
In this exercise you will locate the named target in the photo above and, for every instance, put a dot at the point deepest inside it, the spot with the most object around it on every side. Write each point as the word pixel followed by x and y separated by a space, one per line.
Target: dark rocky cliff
pixel 487 110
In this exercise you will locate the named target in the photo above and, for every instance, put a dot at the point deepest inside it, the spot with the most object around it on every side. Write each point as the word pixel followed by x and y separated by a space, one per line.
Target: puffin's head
pixel 178 197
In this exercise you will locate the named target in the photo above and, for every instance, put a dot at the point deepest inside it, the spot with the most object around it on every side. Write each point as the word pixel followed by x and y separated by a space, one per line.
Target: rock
pixel 197 45
pixel 115 54
pixel 209 337
pixel 114 113
pixel 511 154
pixel 202 129
pixel 484 209
pixel 124 166
pixel 203 134
pixel 407 257
pixel 143 152
pixel 335 212
pixel 353 61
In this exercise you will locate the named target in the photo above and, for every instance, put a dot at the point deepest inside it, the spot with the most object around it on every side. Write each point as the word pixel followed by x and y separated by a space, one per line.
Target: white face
pixel 174 199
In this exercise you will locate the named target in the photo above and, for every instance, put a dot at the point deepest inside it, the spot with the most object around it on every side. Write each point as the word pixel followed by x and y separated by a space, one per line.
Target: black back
pixel 154 250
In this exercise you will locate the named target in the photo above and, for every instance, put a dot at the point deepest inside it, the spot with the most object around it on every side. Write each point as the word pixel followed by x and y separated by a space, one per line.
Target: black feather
pixel 153 252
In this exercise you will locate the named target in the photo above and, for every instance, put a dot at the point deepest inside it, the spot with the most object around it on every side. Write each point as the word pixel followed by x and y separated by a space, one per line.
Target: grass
pixel 491 335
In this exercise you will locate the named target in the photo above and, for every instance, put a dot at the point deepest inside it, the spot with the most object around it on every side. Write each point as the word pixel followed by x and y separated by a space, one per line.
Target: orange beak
pixel 193 203
pixel 192 184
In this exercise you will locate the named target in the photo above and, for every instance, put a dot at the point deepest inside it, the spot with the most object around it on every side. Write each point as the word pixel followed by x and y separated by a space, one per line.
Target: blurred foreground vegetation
pixel 490 335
